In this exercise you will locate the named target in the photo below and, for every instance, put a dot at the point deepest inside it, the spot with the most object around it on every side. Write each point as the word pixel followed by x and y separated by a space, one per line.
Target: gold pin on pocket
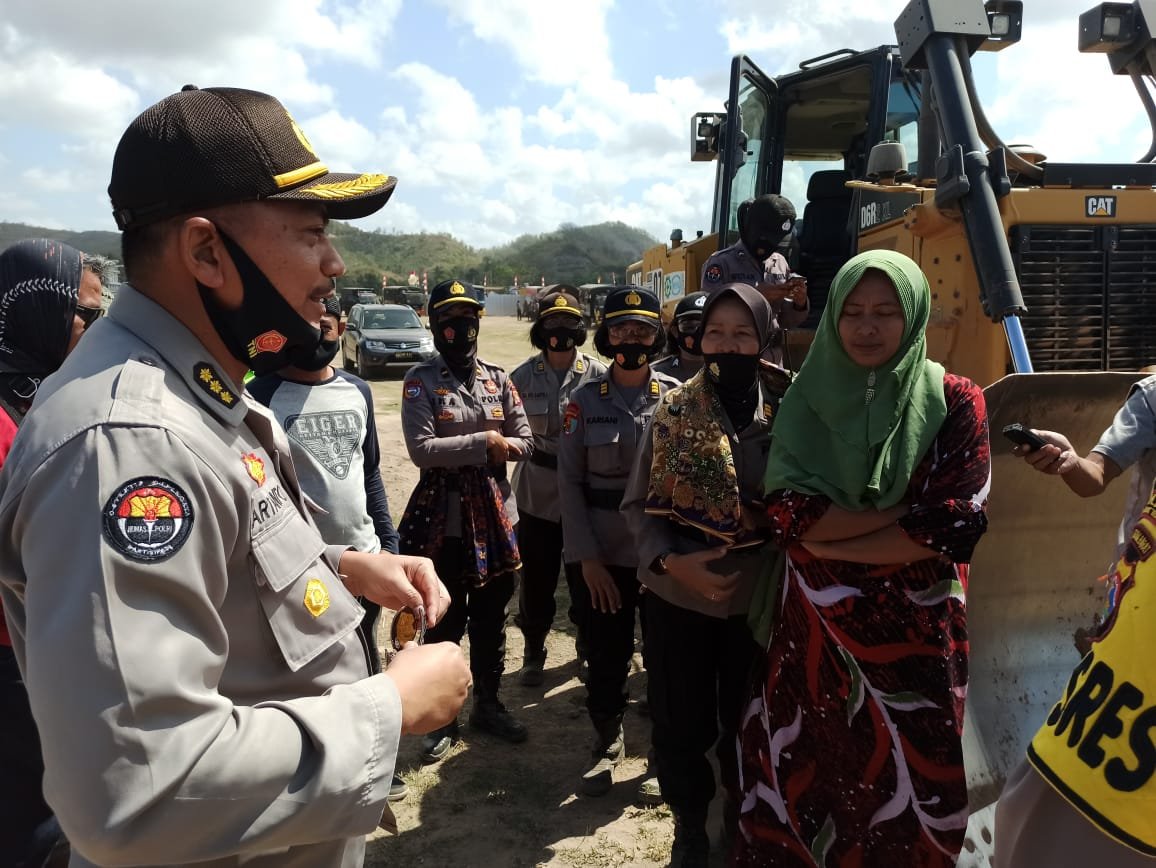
pixel 408 626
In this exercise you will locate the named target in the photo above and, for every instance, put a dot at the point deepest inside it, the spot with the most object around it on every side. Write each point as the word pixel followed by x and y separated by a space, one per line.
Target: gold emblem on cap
pixel 300 134
pixel 457 289
pixel 316 597
pixel 560 301
pixel 633 299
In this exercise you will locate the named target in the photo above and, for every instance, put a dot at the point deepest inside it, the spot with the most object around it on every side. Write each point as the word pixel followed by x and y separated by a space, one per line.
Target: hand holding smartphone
pixel 1023 436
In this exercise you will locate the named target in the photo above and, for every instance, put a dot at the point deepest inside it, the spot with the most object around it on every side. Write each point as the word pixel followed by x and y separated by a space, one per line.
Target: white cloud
pixel 554 43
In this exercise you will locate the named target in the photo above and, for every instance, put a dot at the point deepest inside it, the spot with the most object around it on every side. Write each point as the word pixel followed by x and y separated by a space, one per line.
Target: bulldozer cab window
pixel 903 101
pixel 754 107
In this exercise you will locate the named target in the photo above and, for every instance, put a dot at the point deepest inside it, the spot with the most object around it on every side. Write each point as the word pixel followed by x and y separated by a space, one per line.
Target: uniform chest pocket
pixel 307 606
pixel 603 446
pixel 538 412
pixel 449 420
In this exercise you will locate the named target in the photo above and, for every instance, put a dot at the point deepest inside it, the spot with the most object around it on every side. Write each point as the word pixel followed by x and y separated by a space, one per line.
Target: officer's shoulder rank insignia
pixel 213 384
pixel 713 274
pixel 540 367
pixel 413 389
pixel 316 597
pixel 654 390
pixel 604 389
pixel 147 519
pixel 571 417
pixel 579 365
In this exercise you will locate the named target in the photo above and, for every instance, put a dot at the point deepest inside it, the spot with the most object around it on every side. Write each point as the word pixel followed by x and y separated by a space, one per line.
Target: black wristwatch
pixel 658 565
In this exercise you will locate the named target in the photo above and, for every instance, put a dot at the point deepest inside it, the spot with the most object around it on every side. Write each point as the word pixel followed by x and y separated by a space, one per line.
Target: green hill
pixel 570 254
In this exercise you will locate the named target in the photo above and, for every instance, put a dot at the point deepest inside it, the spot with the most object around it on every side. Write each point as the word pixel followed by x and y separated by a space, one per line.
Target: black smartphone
pixel 1021 436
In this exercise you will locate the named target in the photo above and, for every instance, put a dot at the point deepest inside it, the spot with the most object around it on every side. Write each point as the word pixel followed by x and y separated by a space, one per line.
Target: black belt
pixel 544 459
pixel 604 498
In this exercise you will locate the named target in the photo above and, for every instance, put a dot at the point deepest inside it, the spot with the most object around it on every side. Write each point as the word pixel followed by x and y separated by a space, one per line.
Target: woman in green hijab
pixel 876 487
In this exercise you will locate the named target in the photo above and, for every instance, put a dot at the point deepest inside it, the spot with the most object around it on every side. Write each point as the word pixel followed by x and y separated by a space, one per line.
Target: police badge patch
pixel 147 519
pixel 412 389
pixel 713 274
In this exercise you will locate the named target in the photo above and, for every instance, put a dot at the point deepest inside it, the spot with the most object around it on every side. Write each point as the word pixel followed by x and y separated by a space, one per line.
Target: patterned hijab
pixel 39 288
pixel 852 434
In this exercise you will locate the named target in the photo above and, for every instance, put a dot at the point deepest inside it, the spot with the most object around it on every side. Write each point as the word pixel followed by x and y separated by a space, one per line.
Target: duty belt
pixel 544 459
pixel 604 498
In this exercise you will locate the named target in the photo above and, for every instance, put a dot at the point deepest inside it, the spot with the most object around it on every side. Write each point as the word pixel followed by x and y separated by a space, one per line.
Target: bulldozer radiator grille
pixel 1090 293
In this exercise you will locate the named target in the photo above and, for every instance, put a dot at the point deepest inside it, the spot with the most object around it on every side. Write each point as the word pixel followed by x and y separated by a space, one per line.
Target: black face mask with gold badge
pixel 456 338
pixel 631 356
pixel 265 332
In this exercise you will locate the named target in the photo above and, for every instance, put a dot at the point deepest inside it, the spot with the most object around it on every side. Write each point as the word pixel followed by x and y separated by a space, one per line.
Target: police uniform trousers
pixel 700 665
pixel 484 609
pixel 609 647
pixel 540 543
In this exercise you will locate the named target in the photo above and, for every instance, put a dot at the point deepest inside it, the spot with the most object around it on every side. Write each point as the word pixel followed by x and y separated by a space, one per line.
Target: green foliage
pixel 570 254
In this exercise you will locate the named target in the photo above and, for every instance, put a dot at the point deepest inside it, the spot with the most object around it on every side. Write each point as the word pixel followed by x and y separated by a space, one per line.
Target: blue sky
pixel 498 116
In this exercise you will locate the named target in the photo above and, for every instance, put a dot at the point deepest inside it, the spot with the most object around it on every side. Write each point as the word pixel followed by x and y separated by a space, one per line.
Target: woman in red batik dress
pixel 877 483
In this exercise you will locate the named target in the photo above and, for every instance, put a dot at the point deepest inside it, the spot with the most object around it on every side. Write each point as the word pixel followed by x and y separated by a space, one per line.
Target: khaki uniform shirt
pixel 659 535
pixel 602 435
pixel 735 265
pixel 445 423
pixel 193 661
pixel 544 399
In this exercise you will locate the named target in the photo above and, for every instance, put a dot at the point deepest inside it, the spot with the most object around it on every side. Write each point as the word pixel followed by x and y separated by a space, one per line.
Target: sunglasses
pixel 88 315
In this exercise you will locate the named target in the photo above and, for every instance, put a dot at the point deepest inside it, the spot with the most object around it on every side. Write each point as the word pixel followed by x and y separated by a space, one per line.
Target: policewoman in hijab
pixel 683 356
pixel 754 259
pixel 545 381
pixel 694 504
pixel 876 488
pixel 602 434
pixel 463 420
pixel 48 297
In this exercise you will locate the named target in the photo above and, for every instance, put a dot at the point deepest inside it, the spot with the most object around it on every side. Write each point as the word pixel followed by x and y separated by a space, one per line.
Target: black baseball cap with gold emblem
pixel 452 291
pixel 631 302
pixel 561 298
pixel 218 146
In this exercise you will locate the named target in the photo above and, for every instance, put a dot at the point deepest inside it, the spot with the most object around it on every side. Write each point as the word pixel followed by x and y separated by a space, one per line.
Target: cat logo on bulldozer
pixel 1100 206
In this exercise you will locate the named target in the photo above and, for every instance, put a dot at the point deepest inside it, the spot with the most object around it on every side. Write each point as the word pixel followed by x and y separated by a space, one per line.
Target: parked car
pixel 348 296
pixel 380 336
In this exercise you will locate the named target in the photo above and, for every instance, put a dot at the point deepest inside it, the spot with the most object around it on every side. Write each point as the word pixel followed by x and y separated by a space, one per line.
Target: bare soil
pixel 491 804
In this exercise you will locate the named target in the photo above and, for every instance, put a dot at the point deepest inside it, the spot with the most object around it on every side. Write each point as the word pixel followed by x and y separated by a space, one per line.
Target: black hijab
pixel 39 288
pixel 739 397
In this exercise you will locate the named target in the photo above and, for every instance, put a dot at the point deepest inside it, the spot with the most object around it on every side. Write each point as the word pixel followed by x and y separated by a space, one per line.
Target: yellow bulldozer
pixel 1044 290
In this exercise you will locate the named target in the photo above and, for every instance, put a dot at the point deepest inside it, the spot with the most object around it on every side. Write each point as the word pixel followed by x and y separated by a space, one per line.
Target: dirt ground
pixel 490 804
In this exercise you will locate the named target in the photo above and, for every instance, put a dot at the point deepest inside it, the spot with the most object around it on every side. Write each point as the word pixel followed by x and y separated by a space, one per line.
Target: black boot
pixel 533 665
pixel 437 744
pixel 607 752
pixel 691 843
pixel 489 715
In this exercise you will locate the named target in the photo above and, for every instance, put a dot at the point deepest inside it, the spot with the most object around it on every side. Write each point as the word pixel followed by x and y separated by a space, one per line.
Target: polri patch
pixel 148 519
pixel 412 390
pixel 713 274
pixel 570 419
pixel 213 384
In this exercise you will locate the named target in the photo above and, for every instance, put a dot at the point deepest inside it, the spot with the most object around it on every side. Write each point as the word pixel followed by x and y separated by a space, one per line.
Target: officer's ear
pixel 202 252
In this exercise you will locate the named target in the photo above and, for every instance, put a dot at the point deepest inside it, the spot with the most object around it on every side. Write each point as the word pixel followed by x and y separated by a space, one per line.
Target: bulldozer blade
pixel 1033 580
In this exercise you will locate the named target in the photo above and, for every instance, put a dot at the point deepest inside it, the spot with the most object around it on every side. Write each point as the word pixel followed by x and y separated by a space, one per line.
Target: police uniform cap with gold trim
pixel 561 298
pixel 631 303
pixel 452 291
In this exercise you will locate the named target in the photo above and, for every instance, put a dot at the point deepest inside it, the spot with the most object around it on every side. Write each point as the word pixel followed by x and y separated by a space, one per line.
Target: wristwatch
pixel 658 565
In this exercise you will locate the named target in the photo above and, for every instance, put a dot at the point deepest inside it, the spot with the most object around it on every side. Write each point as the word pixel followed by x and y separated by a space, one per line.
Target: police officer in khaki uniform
pixel 684 358
pixel 763 223
pixel 545 381
pixel 602 434
pixel 462 418
pixel 219 707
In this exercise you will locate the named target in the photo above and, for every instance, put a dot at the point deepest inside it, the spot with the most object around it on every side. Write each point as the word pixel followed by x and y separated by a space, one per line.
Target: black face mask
pixel 264 333
pixel 731 373
pixel 456 338
pixel 559 340
pixel 632 356
pixel 690 342
pixel 324 354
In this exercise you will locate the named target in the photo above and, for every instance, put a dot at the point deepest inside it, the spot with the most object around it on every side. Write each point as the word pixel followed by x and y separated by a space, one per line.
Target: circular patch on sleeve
pixel 713 274
pixel 148 519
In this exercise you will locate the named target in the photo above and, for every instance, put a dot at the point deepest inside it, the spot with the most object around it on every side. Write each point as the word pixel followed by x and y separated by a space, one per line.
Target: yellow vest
pixel 1098 745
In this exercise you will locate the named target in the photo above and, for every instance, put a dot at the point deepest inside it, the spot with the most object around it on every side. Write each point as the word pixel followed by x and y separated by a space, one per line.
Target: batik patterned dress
pixel 850 746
